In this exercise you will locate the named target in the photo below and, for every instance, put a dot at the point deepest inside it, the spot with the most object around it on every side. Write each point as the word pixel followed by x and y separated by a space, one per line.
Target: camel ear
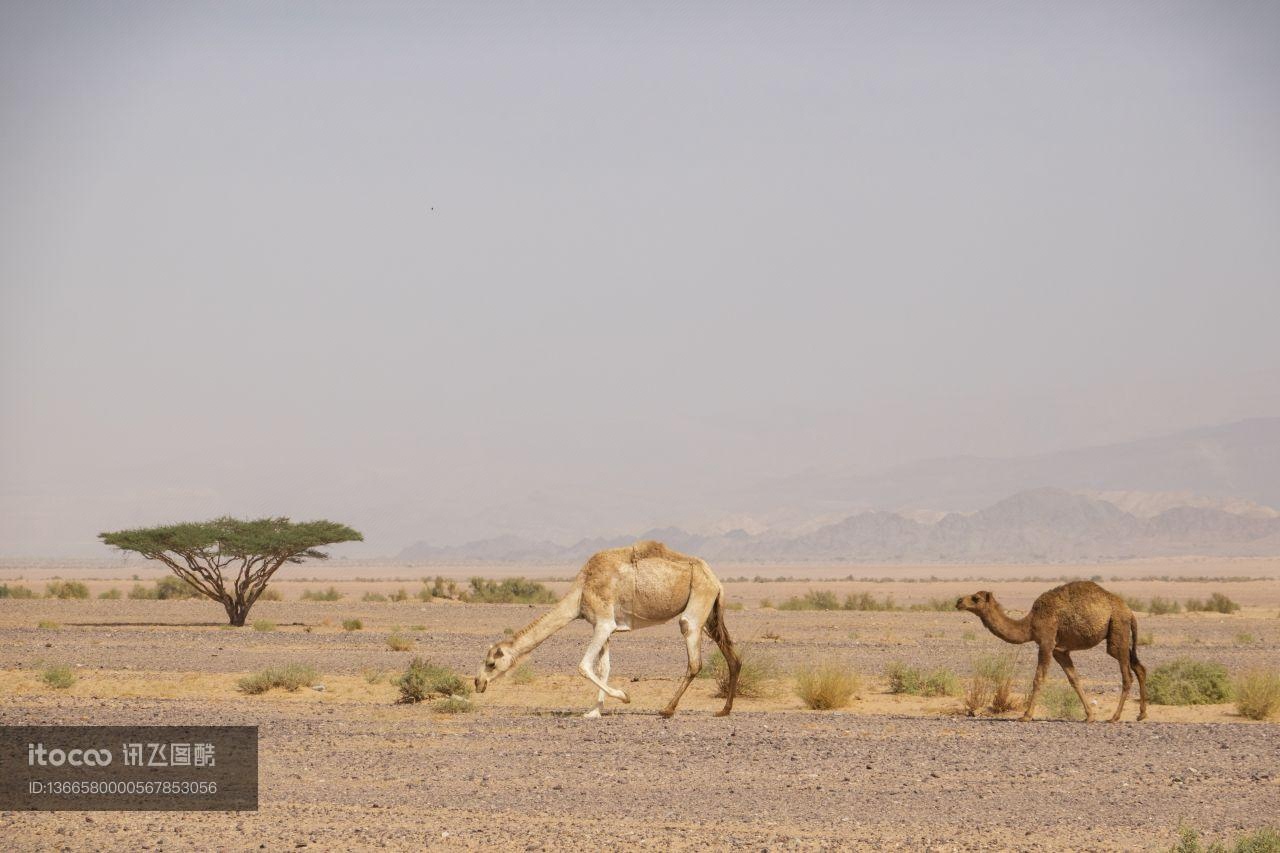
pixel 984 596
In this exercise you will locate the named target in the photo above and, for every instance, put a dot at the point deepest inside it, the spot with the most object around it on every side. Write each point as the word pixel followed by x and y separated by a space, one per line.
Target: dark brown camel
pixel 1069 618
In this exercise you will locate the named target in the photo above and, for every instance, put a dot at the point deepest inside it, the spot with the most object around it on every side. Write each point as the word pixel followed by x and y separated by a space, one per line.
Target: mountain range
pixel 1207 491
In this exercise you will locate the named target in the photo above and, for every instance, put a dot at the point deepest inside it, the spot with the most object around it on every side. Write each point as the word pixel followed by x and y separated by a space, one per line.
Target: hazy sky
pixel 449 270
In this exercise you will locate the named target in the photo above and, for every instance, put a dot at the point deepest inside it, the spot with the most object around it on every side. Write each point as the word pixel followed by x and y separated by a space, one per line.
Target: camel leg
pixel 602 669
pixel 734 664
pixel 599 638
pixel 1042 668
pixel 1063 658
pixel 1119 646
pixel 1141 672
pixel 692 632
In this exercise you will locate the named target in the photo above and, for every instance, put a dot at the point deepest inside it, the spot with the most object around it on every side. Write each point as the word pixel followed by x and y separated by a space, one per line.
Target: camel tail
pixel 1133 640
pixel 715 627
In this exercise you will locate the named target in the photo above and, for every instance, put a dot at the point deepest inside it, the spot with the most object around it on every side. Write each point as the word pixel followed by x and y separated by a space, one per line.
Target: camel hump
pixel 649 549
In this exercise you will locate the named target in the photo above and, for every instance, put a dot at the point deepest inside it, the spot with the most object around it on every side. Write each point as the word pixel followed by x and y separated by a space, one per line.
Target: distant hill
pixel 1234 462
pixel 1037 524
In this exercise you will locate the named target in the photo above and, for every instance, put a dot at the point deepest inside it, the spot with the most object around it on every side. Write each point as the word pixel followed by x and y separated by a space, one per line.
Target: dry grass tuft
pixel 826 686
pixel 1258 694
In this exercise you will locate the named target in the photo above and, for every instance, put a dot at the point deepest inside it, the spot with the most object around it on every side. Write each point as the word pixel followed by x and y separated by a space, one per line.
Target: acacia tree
pixel 231 560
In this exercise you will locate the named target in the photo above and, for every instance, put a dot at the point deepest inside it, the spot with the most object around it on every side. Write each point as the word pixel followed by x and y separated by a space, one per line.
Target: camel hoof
pixel 1142 716
pixel 624 697
pixel 1114 720
pixel 723 712
pixel 593 714
pixel 1025 718
pixel 667 712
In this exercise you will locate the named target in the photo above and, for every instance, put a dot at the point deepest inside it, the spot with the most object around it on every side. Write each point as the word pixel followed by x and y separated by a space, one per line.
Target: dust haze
pixel 446 273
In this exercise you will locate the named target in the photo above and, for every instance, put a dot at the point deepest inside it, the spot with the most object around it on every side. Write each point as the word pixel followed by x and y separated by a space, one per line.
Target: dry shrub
pixel 398 642
pixel 826 686
pixel 453 705
pixel 288 677
pixel 1061 702
pixel 270 594
pixel 757 677
pixel 67 589
pixel 112 594
pixel 264 625
pixel 990 686
pixel 352 624
pixel 523 674
pixel 424 680
pixel 1258 694
pixel 59 676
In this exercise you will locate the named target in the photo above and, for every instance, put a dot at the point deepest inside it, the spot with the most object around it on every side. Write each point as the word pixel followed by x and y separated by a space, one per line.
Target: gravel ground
pixel 343 776
pixel 346 770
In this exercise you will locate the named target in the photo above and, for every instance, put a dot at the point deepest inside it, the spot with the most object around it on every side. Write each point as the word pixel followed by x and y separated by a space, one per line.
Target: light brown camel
pixel 619 590
pixel 1069 618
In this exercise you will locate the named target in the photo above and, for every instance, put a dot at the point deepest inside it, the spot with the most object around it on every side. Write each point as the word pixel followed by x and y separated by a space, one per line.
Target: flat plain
pixel 348 767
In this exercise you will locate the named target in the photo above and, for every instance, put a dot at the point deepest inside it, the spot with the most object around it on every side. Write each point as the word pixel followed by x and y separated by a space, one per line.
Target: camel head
pixel 500 658
pixel 979 602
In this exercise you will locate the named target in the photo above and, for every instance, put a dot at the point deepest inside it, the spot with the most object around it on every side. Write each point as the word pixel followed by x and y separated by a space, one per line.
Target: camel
pixel 1069 618
pixel 622 589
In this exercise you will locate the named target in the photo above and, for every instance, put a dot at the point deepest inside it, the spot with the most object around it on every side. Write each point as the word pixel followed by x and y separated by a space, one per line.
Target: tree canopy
pixel 228 559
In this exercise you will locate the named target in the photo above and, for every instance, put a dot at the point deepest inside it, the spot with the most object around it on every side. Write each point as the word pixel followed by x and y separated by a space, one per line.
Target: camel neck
pixel 1004 626
pixel 532 635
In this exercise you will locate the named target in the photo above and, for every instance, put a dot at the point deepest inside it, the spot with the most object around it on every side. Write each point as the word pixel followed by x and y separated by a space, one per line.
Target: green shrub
pixel 112 594
pixel 16 591
pixel 1258 694
pixel 826 686
pixel 1061 702
pixel 452 705
pixel 508 591
pixel 523 674
pixel 171 587
pixel 814 599
pixel 1135 604
pixel 400 594
pixel 264 625
pixel 289 677
pixel 48 624
pixel 424 680
pixel 352 624
pixel 330 594
pixel 373 675
pixel 1244 638
pixel 373 596
pixel 1217 603
pixel 1264 840
pixel 59 676
pixel 938 604
pixel 1146 639
pixel 67 589
pixel 757 675
pixel 914 682
pixel 166 588
pixel 867 601
pixel 1189 682
pixel 398 642
pixel 1163 606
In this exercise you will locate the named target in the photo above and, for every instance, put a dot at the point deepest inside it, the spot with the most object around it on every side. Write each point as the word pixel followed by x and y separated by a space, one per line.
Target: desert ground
pixel 348 767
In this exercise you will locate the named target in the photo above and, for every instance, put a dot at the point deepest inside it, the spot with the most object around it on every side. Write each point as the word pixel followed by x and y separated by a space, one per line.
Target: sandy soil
pixel 347 767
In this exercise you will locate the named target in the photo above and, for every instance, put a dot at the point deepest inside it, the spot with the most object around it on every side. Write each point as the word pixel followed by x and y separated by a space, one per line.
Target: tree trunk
pixel 237 612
